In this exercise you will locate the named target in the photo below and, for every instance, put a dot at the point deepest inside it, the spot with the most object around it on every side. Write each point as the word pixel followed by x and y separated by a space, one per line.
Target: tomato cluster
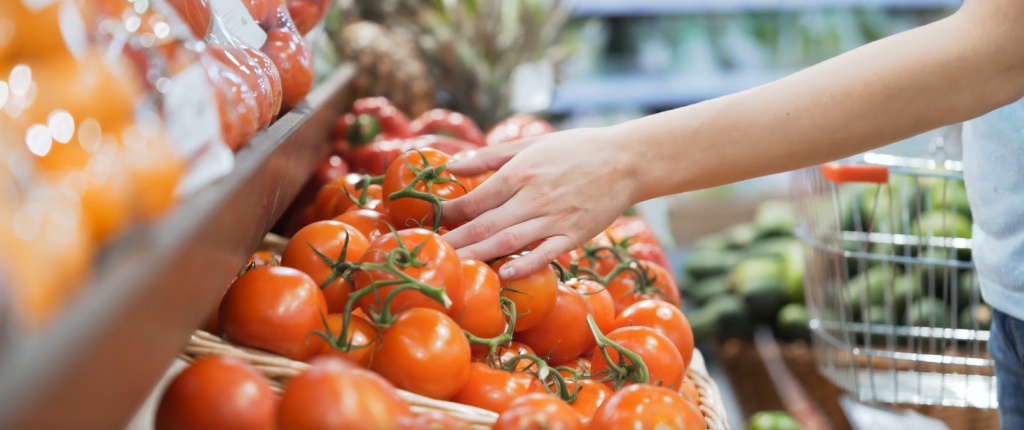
pixel 376 300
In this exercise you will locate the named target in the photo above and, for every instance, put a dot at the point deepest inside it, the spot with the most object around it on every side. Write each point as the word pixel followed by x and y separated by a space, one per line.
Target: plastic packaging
pixel 307 14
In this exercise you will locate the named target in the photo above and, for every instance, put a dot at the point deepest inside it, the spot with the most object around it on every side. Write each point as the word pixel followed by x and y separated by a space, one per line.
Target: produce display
pixel 369 293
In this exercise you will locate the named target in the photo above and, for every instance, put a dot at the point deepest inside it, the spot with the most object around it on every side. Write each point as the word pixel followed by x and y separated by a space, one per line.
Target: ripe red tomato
pixel 273 308
pixel 479 312
pixel 534 295
pixel 331 240
pixel 505 353
pixel 689 391
pixel 602 307
pixel 436 265
pixel 263 258
pixel 434 420
pixel 539 412
pixel 579 365
pixel 246 67
pixel 343 194
pixel 240 117
pixel 646 406
pixel 564 333
pixel 601 261
pixel 306 14
pixel 294 62
pixel 656 283
pixel 217 393
pixel 369 222
pixel 271 89
pixel 590 395
pixel 664 364
pixel 516 127
pixel 424 352
pixel 408 212
pixel 196 14
pixel 362 335
pixel 335 394
pixel 495 389
pixel 666 318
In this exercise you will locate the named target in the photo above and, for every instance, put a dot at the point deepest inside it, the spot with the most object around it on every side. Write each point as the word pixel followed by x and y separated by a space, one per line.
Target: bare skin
pixel 566 187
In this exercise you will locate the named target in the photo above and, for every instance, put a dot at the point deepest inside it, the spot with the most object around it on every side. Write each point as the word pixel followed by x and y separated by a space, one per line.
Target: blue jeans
pixel 1006 344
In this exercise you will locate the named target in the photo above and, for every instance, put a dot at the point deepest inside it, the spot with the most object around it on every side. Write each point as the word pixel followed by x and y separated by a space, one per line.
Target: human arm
pixel 950 71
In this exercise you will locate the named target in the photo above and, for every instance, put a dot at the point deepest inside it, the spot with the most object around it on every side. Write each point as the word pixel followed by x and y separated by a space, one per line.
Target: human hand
pixel 561 189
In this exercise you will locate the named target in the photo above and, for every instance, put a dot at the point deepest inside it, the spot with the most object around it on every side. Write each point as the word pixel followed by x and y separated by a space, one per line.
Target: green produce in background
pixel 761 283
pixel 772 420
pixel 929 312
pixel 706 289
pixel 942 224
pixel 949 196
pixel 976 317
pixel 775 218
pixel 794 322
pixel 722 318
pixel 868 288
pixel 707 263
pixel 968 290
pixel 741 236
pixel 793 272
pixel 717 242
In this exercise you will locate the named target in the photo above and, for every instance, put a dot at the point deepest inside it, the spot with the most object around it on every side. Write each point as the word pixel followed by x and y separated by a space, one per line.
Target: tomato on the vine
pixel 343 194
pixel 479 312
pixel 217 393
pixel 415 184
pixel 370 223
pixel 534 295
pixel 602 307
pixel 647 406
pixel 425 352
pixel 665 366
pixel 664 317
pixel 495 389
pixel 273 308
pixel 639 281
pixel 362 337
pixel 408 256
pixel 579 366
pixel 505 353
pixel 539 412
pixel 324 250
pixel 263 258
pixel 336 394
pixel 590 395
pixel 564 333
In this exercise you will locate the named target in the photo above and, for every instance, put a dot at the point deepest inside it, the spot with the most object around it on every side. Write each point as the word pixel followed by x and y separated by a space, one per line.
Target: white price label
pixel 193 120
pixel 236 21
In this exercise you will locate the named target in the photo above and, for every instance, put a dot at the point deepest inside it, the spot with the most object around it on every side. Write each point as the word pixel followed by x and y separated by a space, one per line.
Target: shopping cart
pixel 896 311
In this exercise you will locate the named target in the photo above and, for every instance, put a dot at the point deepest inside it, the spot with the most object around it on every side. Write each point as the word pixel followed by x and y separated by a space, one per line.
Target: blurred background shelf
pixel 622 8
pixel 95 366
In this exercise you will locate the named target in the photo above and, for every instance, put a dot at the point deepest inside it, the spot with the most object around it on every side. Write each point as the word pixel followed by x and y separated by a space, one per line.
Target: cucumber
pixel 770 247
pixel 967 288
pixel 949 196
pixel 716 242
pixel 793 272
pixel 741 236
pixel 977 317
pixel 868 288
pixel 794 322
pixel 707 263
pixel 721 318
pixel 775 218
pixel 761 281
pixel 929 312
pixel 942 224
pixel 707 289
pixel 772 420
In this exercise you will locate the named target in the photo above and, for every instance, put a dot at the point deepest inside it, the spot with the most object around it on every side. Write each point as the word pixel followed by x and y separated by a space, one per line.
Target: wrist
pixel 630 160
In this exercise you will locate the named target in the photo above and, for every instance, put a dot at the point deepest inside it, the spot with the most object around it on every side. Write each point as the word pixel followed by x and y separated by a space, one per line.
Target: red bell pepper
pixel 364 136
pixel 448 123
pixel 516 127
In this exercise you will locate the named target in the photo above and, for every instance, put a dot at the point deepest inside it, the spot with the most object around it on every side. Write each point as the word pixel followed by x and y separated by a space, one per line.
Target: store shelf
pixel 646 91
pixel 97 364
pixel 585 8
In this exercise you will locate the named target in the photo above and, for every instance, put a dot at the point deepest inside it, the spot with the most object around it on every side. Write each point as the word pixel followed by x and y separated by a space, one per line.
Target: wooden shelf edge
pixel 95 366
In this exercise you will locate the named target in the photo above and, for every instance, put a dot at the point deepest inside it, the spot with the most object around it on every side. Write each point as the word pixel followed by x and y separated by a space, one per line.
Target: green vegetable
pixel 741 236
pixel 929 312
pixel 707 263
pixel 707 289
pixel 977 317
pixel 949 196
pixel 794 322
pixel 868 288
pixel 775 218
pixel 772 420
pixel 760 281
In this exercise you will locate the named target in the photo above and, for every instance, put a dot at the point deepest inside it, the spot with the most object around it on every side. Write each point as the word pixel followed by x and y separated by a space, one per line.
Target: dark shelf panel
pixel 95 366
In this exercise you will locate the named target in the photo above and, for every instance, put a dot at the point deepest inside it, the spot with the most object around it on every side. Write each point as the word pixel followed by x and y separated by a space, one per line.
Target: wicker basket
pixel 279 369
pixel 743 363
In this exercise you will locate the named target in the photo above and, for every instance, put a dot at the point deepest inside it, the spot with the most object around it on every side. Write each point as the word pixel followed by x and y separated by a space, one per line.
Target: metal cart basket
pixel 896 311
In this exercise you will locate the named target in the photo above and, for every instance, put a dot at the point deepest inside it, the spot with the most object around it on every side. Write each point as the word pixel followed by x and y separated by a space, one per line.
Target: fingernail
pixel 507 272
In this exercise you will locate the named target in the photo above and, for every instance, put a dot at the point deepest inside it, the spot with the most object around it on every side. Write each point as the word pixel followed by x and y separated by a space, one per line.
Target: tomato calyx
pixel 339 267
pixel 428 176
pixel 492 344
pixel 363 186
pixel 630 366
pixel 646 283
pixel 552 381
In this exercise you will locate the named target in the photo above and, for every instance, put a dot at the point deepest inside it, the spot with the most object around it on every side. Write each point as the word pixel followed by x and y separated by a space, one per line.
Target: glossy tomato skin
pixel 689 391
pixel 437 266
pixel 564 333
pixel 626 288
pixel 480 311
pixel 579 365
pixel 424 352
pixel 663 317
pixel 273 308
pixel 217 393
pixel 306 14
pixel 362 335
pixel 412 212
pixel 334 394
pixel 336 241
pixel 263 258
pixel 294 62
pixel 664 364
pixel 647 407
pixel 590 395
pixel 495 389
pixel 599 300
pixel 434 420
pixel 505 353
pixel 534 295
pixel 370 223
pixel 539 412
pixel 343 194
pixel 197 15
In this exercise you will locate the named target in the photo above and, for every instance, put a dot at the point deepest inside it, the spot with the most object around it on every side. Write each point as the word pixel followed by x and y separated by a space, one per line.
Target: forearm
pixel 950 71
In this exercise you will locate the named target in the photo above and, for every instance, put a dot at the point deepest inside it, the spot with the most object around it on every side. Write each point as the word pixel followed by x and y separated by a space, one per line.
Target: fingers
pixel 486 159
pixel 489 195
pixel 507 241
pixel 535 260
pixel 481 228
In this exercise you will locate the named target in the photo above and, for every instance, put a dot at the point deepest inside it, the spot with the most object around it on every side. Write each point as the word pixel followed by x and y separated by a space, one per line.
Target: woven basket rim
pixel 276 368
